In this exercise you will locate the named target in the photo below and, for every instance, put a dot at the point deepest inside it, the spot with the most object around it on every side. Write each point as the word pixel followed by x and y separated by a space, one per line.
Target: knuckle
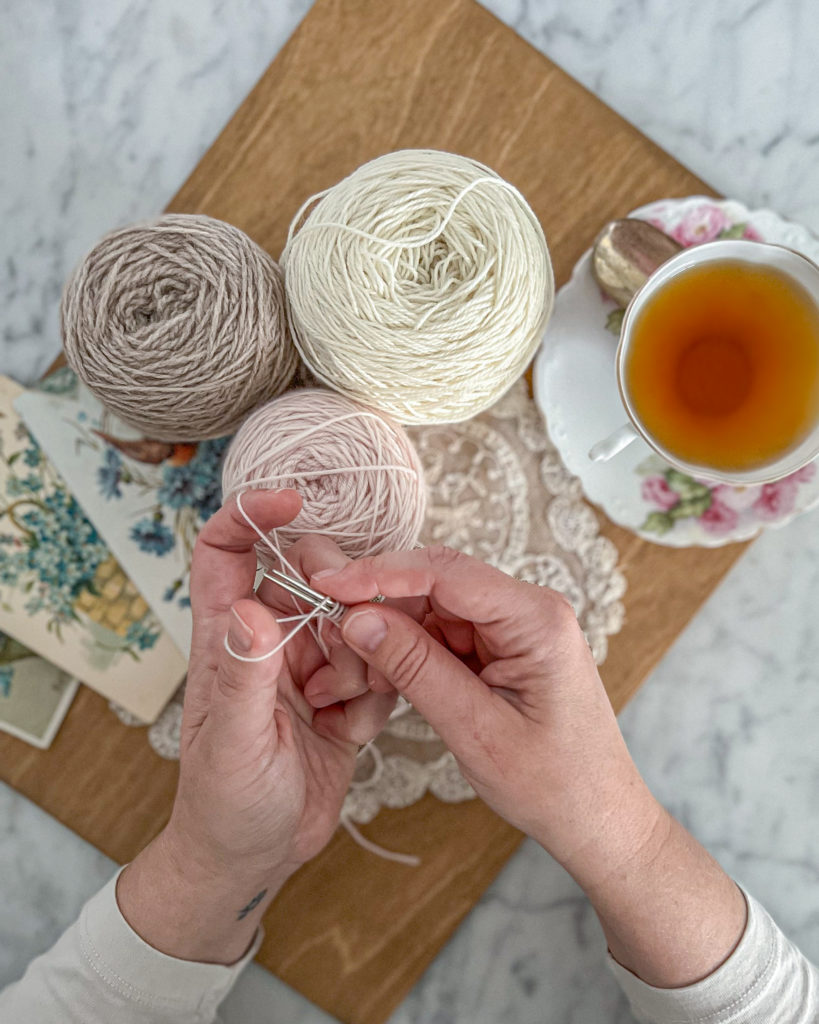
pixel 318 542
pixel 557 627
pixel 551 603
pixel 561 609
pixel 301 545
pixel 443 555
pixel 365 568
pixel 315 552
pixel 227 682
pixel 409 664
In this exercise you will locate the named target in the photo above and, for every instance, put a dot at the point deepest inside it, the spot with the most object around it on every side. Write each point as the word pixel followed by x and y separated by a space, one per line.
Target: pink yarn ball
pixel 358 474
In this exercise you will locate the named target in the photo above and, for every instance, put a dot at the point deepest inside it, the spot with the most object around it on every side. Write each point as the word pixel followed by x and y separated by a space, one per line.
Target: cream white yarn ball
pixel 358 474
pixel 421 284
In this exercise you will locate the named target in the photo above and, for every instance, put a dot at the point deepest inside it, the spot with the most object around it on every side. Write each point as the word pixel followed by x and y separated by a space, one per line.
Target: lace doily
pixel 497 490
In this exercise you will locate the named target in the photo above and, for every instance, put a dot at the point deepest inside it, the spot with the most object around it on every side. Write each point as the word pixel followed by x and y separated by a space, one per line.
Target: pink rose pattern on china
pixel 737 498
pixel 706 223
pixel 805 474
pixel 751 234
pixel 719 508
pixel 719 518
pixel 777 499
pixel 657 492
pixel 702 224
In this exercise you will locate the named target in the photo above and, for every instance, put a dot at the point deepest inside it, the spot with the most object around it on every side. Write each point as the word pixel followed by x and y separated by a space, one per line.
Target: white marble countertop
pixel 107 106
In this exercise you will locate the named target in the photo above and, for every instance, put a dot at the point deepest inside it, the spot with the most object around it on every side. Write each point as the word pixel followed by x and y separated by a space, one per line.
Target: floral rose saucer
pixel 575 388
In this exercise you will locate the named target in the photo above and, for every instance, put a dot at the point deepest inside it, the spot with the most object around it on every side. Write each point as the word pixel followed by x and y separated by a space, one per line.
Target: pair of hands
pixel 500 669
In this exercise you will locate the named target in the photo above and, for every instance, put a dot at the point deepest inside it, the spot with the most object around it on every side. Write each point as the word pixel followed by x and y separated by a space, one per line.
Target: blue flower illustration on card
pixel 153 537
pixel 109 474
pixel 54 555
pixel 141 635
pixel 177 488
pixel 195 484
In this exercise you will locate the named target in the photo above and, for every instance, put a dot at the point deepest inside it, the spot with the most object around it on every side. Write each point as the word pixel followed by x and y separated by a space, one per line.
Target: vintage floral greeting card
pixel 34 694
pixel 62 592
pixel 148 499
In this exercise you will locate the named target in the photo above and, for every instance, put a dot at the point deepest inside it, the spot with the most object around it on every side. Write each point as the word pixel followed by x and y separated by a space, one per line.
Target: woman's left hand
pixel 262 774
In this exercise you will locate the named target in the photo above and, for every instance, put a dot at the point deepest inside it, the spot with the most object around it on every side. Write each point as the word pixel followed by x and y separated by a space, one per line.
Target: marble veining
pixel 47 874
pixel 106 107
pixel 730 89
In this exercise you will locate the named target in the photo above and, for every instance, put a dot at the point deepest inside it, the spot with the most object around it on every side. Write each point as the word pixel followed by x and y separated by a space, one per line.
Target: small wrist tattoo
pixel 257 899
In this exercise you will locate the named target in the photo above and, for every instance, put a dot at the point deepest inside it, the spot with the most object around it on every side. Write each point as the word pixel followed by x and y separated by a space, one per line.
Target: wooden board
pixel 359 78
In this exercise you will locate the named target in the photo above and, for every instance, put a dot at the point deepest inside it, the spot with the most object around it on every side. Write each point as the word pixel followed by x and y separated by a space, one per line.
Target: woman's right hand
pixel 502 671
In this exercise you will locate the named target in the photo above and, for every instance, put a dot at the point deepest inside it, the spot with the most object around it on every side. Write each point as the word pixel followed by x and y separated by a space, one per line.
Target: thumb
pixel 449 696
pixel 243 698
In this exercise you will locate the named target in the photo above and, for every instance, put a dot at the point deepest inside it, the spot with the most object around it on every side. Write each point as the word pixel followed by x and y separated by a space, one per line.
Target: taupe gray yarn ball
pixel 178 326
pixel 421 284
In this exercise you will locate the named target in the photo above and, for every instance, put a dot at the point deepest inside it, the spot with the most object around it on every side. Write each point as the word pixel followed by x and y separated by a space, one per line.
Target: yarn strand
pixel 367 844
pixel 404 243
pixel 305 620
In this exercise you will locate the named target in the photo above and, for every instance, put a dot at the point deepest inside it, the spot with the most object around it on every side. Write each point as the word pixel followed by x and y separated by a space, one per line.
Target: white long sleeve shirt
pixel 766 980
pixel 101 971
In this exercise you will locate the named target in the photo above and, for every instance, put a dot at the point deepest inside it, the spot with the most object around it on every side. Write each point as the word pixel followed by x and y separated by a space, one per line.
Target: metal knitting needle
pixel 298 588
pixel 320 602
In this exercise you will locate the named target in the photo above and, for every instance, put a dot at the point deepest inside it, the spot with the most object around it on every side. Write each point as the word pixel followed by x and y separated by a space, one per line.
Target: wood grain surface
pixel 359 78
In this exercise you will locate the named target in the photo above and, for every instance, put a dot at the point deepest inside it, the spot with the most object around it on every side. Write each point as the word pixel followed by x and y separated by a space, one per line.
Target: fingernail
pixel 365 630
pixel 332 634
pixel 322 700
pixel 240 635
pixel 324 573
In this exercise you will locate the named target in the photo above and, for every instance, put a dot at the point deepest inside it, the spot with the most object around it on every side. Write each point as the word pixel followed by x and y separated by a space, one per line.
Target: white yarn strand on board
pixel 421 284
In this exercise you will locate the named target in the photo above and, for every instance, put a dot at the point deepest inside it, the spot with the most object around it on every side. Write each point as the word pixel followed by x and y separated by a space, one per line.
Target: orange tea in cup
pixel 722 368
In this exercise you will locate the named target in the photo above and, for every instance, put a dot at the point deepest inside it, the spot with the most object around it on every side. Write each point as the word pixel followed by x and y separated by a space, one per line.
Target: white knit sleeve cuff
pixel 143 975
pixel 741 980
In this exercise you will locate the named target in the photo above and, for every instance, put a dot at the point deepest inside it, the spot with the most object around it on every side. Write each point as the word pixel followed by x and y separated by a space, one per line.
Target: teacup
pixel 718 363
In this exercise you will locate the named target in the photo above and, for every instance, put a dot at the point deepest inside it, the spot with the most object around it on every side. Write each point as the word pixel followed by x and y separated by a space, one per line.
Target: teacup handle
pixel 613 444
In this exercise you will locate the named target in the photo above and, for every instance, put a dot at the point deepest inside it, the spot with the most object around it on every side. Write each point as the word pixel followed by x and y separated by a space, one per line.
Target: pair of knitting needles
pixel 320 603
